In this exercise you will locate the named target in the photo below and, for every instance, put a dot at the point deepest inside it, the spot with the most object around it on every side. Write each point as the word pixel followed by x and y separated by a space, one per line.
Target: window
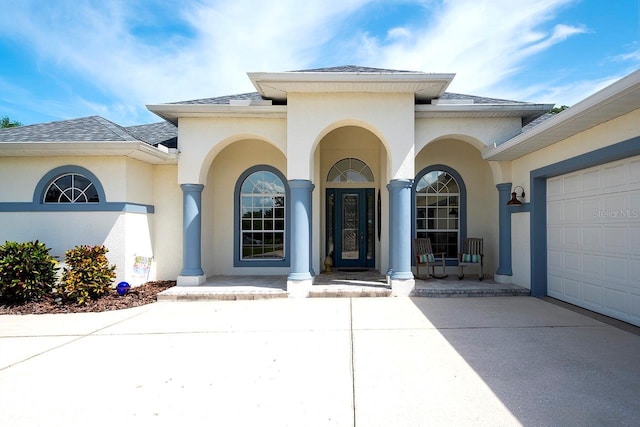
pixel 262 211
pixel 71 188
pixel 350 170
pixel 439 209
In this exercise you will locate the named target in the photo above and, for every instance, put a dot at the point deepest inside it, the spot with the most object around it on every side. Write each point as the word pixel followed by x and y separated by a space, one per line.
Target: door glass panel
pixel 350 237
pixel 370 223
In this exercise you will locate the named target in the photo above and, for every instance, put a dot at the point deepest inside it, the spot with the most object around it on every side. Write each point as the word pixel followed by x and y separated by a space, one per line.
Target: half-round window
pixel 71 188
pixel 350 170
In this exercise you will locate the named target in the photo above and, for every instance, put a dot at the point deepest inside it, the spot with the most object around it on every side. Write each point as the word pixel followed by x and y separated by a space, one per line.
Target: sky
pixel 63 59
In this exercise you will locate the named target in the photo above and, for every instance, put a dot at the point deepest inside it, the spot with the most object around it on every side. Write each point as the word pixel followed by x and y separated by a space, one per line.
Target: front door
pixel 350 226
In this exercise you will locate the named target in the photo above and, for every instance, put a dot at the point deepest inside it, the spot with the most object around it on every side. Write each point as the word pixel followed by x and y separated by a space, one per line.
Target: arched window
pixel 440 208
pixel 350 170
pixel 71 188
pixel 261 218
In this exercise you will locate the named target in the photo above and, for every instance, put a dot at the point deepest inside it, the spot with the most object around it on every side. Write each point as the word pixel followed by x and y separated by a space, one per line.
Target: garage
pixel 593 238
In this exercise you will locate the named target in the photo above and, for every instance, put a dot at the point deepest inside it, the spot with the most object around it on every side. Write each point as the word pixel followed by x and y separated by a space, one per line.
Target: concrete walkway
pixel 335 284
pixel 320 361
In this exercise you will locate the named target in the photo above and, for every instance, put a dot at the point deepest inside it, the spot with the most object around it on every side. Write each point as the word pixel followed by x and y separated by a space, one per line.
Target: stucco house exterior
pixel 347 162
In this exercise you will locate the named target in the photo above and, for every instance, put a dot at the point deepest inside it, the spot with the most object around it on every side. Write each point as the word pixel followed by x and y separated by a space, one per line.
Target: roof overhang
pixel 613 101
pixel 276 86
pixel 135 150
pixel 172 112
pixel 527 112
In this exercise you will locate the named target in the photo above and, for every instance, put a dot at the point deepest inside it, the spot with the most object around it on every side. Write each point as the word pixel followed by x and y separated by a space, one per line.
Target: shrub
pixel 87 274
pixel 27 271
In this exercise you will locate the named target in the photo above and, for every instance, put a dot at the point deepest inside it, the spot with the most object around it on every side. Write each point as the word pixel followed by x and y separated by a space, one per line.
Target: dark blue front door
pixel 352 229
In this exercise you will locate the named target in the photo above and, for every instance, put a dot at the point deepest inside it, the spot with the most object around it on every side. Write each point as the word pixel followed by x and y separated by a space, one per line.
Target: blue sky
pixel 73 58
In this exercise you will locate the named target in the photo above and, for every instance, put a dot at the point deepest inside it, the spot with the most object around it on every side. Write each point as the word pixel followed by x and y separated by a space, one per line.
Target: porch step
pixel 212 293
pixel 346 291
pixel 493 290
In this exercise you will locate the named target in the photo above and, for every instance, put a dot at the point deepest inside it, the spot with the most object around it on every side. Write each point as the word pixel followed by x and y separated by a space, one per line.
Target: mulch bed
pixel 140 295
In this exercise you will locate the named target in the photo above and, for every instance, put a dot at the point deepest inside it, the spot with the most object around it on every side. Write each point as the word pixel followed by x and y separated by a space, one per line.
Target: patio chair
pixel 425 256
pixel 472 256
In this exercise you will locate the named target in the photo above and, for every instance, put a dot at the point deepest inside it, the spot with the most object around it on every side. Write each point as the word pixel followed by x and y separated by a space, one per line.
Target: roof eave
pixel 172 112
pixel 133 149
pixel 277 86
pixel 525 111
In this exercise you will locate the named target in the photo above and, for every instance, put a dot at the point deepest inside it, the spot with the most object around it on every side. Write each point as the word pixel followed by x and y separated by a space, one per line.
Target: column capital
pixel 400 184
pixel 192 187
pixel 505 186
pixel 301 183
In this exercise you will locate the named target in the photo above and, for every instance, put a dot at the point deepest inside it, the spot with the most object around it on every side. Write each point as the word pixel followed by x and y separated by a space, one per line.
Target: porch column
pixel 192 273
pixel 402 281
pixel 504 273
pixel 300 278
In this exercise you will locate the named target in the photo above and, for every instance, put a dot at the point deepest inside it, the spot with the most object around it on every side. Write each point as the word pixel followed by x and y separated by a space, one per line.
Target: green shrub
pixel 87 274
pixel 27 271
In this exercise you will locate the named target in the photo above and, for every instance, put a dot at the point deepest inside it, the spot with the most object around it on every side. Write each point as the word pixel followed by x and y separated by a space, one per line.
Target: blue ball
pixel 122 288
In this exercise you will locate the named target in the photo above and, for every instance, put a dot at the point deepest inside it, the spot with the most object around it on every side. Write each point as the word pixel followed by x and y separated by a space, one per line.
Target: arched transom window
pixel 262 222
pixel 71 188
pixel 350 170
pixel 438 211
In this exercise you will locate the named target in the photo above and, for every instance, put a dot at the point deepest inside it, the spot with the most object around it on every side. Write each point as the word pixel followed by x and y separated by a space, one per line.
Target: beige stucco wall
pixel 480 132
pixel 201 139
pixel 312 116
pixel 125 234
pixel 167 222
pixel 609 133
pixel 218 204
pixel 482 195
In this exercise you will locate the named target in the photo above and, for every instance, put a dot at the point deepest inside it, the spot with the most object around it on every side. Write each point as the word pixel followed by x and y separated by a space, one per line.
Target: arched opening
pixel 351 165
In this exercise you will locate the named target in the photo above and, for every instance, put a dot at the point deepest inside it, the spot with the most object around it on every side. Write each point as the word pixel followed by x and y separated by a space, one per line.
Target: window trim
pixel 462 214
pixel 54 174
pixel 237 232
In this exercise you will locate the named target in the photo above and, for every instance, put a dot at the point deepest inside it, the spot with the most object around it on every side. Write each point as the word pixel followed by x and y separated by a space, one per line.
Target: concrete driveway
pixel 315 362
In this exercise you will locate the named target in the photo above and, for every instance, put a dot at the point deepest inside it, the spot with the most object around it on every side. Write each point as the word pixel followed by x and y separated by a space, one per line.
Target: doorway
pixel 350 227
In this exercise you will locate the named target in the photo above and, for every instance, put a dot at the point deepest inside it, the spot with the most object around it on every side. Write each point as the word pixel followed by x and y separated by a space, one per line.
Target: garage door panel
pixel 593 239
pixel 592 295
pixel 572 237
pixel 615 175
pixel 572 184
pixel 592 265
pixel 615 268
pixel 572 211
pixel 573 262
pixel 634 171
pixel 615 240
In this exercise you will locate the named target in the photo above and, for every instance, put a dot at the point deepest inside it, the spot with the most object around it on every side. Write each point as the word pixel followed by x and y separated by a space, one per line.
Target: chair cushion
pixel 470 258
pixel 424 258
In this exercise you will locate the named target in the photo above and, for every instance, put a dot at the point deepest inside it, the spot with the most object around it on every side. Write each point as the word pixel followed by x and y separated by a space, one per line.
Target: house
pixel 351 163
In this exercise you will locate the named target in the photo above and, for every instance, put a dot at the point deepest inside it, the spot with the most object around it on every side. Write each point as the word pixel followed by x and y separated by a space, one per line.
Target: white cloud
pixel 108 44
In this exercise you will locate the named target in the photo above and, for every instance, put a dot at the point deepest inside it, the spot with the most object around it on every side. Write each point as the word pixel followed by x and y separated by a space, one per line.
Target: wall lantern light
pixel 514 197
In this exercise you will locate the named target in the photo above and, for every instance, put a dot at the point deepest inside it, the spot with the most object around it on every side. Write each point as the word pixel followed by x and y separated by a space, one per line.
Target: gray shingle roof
pixel 352 69
pixel 478 99
pixel 90 129
pixel 543 118
pixel 163 133
pixel 224 100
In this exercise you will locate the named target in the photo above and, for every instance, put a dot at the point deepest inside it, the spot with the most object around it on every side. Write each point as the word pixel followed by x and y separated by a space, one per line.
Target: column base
pixel 402 288
pixel 502 278
pixel 191 280
pixel 299 288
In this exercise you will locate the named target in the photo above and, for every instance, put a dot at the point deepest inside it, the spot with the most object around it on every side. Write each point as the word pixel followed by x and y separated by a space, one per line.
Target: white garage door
pixel 593 239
